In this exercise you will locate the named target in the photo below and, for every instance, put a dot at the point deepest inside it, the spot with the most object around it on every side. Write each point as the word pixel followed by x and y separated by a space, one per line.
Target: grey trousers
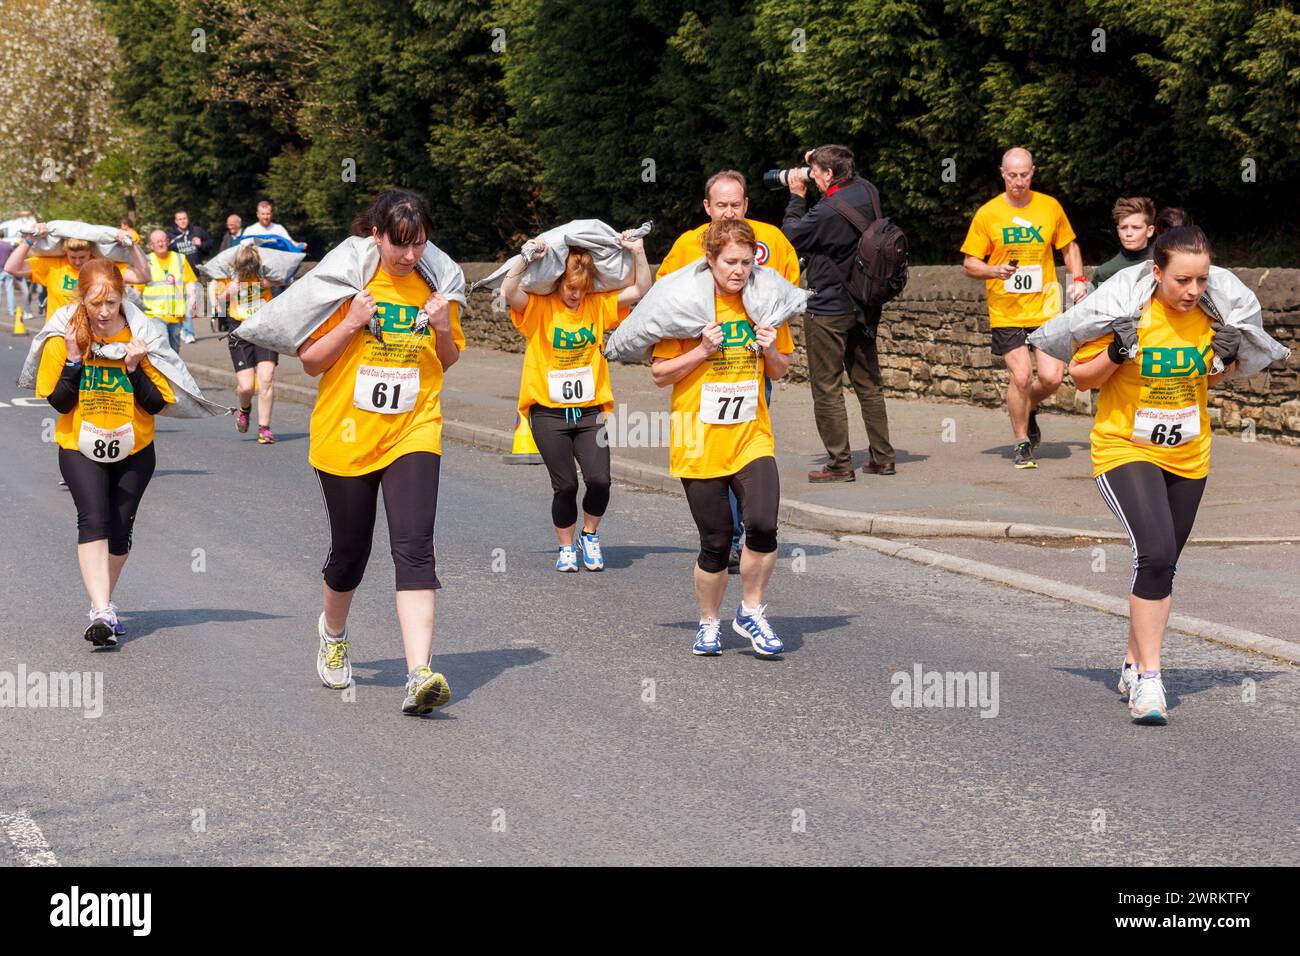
pixel 837 344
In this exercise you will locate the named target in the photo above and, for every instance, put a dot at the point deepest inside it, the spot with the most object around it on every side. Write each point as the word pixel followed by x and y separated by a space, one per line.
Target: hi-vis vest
pixel 165 293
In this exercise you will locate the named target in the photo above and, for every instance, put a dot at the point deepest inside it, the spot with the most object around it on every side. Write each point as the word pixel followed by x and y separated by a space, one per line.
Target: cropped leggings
pixel 107 495
pixel 1157 509
pixel 758 489
pixel 410 486
pixel 566 435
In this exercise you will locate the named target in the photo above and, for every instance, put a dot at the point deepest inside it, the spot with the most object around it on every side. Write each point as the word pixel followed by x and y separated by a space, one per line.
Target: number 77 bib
pixel 728 403
pixel 385 389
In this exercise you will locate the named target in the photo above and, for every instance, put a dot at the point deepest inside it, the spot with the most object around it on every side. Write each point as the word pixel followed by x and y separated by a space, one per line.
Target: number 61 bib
pixel 386 389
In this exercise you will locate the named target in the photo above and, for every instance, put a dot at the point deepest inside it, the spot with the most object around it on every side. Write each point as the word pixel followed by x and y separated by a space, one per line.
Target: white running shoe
pixel 103 623
pixel 1127 678
pixel 567 559
pixel 332 664
pixel 1147 705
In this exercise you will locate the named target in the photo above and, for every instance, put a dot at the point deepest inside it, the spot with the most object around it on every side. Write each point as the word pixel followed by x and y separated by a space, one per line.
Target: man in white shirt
pixel 265 227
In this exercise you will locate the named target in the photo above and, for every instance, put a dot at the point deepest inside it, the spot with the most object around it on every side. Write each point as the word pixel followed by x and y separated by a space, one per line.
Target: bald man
pixel 1010 245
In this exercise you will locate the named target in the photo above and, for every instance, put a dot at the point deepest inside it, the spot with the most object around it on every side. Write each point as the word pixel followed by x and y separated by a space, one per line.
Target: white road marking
pixel 27 838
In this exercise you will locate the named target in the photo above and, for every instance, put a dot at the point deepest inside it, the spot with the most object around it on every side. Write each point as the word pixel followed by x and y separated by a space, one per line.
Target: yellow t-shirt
pixel 702 446
pixel 1155 407
pixel 106 399
pixel 563 364
pixel 168 304
pixel 774 251
pixel 245 298
pixel 358 424
pixel 1001 232
pixel 59 278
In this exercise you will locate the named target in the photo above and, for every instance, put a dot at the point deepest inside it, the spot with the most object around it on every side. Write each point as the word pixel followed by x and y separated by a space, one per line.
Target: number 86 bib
pixel 106 445
pixel 387 390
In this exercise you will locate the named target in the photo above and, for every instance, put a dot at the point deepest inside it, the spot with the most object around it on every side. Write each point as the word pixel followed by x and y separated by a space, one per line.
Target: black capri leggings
pixel 1157 510
pixel 410 501
pixel 107 495
pixel 563 436
pixel 758 489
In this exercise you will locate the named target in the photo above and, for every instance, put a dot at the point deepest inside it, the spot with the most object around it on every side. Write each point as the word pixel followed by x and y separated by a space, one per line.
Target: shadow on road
pixel 143 623
pixel 1179 682
pixel 466 672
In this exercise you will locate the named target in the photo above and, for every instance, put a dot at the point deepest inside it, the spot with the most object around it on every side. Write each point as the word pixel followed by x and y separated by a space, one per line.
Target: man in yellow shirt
pixel 726 196
pixel 170 293
pixel 1010 245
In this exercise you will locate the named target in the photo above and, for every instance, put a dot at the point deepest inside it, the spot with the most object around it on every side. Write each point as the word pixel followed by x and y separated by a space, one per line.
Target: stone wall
pixel 934 344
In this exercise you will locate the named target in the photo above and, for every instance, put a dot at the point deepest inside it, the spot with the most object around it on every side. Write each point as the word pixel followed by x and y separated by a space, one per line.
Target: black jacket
pixel 827 242
pixel 182 244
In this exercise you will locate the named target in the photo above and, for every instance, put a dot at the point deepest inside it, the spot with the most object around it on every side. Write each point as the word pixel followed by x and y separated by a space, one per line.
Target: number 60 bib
pixel 728 403
pixel 387 390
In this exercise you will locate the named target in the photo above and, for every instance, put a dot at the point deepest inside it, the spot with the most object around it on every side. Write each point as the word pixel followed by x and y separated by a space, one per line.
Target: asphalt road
pixel 581 729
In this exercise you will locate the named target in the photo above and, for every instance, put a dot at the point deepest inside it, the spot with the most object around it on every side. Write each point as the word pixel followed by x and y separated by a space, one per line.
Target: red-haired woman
pixel 718 395
pixel 566 380
pixel 97 376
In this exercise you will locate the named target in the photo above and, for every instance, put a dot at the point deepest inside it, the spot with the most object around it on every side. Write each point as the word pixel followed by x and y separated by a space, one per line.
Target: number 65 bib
pixel 1166 427
pixel 106 444
pixel 728 403
pixel 385 389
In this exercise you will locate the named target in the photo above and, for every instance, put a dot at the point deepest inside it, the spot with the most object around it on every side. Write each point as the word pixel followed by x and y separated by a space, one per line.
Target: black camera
pixel 780 178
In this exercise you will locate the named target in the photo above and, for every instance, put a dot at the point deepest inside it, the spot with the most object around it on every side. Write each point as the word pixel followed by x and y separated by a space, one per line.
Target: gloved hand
pixel 1124 344
pixel 1227 342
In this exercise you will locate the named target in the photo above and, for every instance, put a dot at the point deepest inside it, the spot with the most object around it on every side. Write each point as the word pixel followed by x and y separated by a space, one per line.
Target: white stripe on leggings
pixel 1108 495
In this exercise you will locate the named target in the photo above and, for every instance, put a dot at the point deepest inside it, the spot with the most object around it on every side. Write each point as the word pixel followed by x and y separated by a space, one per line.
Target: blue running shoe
pixel 708 639
pixel 754 626
pixel 568 559
pixel 589 548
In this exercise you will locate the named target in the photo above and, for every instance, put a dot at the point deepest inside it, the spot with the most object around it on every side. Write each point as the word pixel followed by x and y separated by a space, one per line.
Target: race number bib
pixel 1166 427
pixel 387 390
pixel 572 386
pixel 106 445
pixel 1024 280
pixel 728 403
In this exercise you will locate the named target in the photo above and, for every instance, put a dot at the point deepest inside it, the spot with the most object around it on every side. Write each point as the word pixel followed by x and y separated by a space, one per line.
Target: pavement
pixel 582 730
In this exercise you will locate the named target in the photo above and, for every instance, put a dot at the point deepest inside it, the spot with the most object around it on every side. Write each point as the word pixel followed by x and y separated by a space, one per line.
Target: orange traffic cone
pixel 523 450
pixel 19 328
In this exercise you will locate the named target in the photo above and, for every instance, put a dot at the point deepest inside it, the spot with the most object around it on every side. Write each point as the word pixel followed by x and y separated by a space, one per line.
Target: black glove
pixel 1113 351
pixel 1227 342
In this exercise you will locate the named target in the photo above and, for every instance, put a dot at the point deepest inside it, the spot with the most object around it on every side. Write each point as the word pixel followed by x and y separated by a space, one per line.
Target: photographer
pixel 837 335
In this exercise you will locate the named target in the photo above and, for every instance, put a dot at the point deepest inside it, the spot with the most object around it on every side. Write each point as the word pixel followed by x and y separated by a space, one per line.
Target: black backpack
pixel 878 272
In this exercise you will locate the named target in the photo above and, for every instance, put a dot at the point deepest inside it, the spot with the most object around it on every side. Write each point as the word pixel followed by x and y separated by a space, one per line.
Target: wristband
pixel 72 364
pixel 1080 278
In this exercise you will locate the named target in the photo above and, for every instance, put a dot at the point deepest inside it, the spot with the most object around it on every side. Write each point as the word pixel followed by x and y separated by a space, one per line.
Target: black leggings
pixel 1157 510
pixel 107 494
pixel 758 488
pixel 561 438
pixel 410 501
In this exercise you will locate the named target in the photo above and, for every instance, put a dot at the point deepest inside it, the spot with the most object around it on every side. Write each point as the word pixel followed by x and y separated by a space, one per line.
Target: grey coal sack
pixel 286 321
pixel 277 265
pixel 614 264
pixel 681 304
pixel 1118 303
pixel 104 238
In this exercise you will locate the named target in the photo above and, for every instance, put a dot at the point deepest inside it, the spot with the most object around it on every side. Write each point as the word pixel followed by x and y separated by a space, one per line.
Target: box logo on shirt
pixel 69 283
pixel 578 339
pixel 104 378
pixel 397 318
pixel 1012 235
pixel 735 334
pixel 1182 362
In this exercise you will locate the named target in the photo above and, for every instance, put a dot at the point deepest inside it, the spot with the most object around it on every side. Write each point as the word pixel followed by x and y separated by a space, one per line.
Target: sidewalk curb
pixel 798 513
pixel 1196 627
